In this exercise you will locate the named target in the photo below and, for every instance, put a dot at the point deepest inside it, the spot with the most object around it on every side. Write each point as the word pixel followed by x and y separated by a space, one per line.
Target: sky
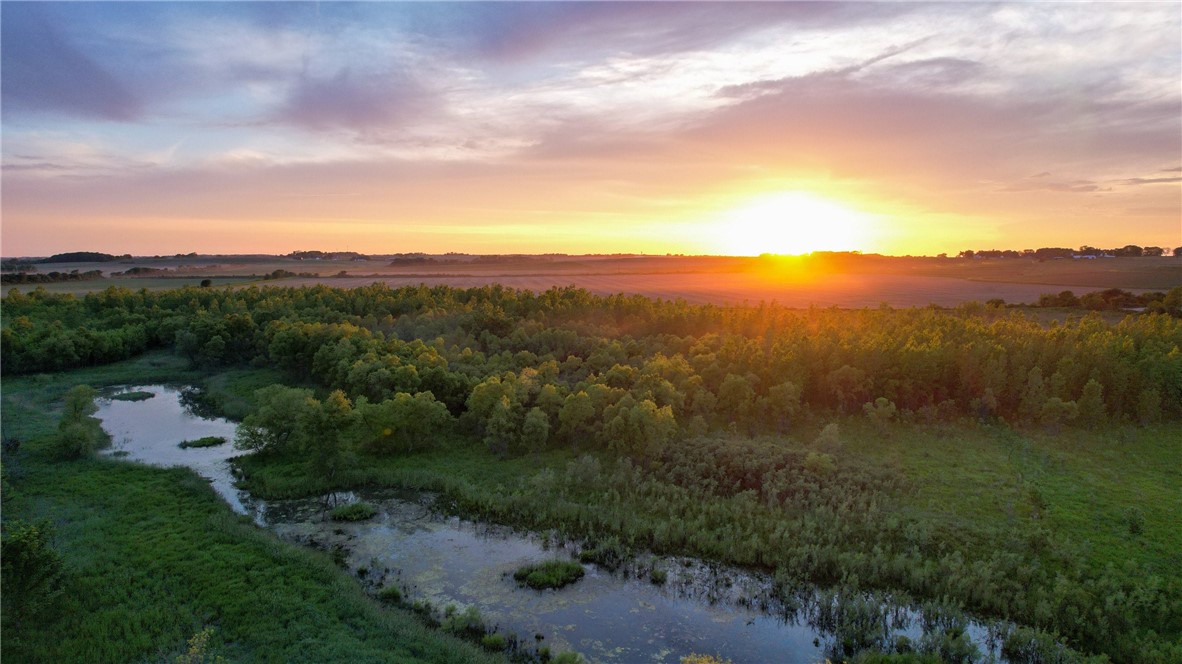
pixel 601 127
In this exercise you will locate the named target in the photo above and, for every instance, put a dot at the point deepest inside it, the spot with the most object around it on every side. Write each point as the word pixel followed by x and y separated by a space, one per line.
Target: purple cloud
pixel 358 102
pixel 45 73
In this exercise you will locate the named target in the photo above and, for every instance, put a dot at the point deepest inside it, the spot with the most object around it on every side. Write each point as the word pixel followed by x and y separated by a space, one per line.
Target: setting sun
pixel 793 223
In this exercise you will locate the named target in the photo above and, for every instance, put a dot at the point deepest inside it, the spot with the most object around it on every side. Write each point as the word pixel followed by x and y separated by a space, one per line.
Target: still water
pixel 611 617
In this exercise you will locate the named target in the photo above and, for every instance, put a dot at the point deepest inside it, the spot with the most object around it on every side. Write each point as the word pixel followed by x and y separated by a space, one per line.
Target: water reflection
pixel 622 616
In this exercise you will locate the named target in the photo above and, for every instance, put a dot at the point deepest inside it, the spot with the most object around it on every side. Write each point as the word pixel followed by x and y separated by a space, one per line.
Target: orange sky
pixel 661 128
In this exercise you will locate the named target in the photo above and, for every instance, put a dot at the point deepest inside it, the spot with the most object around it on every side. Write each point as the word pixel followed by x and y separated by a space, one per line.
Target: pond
pixel 620 616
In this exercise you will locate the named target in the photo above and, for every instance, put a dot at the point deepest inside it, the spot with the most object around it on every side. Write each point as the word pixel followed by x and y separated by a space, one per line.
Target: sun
pixel 792 223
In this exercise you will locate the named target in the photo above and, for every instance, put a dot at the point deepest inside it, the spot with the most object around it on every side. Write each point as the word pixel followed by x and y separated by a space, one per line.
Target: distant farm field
pixel 823 280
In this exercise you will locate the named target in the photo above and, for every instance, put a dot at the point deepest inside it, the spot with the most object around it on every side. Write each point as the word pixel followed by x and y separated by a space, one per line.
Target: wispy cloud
pixel 616 109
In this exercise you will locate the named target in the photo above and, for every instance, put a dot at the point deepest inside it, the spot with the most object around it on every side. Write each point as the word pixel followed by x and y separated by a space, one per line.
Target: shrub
pixel 658 577
pixel 494 642
pixel 30 570
pixel 609 553
pixel 829 440
pixel 1134 518
pixel 74 441
pixel 390 595
pixel 550 574
pixel 468 622
pixel 880 412
pixel 819 464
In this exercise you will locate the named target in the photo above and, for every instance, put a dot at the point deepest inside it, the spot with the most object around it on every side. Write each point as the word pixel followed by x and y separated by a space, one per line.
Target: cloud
pixel 1140 181
pixel 935 72
pixel 355 102
pixel 520 31
pixel 43 72
pixel 1071 187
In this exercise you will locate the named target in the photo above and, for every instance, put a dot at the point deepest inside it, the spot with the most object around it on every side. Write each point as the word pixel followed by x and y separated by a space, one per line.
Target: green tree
pixel 535 430
pixel 1149 407
pixel 1034 396
pixel 848 386
pixel 272 427
pixel 323 431
pixel 501 430
pixel 781 405
pixel 1056 412
pixel 736 398
pixel 1092 411
pixel 575 417
pixel 79 434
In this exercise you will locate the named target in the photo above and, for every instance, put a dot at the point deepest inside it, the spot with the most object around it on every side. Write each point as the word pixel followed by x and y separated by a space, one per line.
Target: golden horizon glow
pixel 793 223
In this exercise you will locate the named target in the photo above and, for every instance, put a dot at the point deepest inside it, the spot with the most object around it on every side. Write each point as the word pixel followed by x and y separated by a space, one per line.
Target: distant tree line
pixel 83 257
pixel 327 255
pixel 49 277
pixel 1115 298
pixel 141 271
pixel 1047 253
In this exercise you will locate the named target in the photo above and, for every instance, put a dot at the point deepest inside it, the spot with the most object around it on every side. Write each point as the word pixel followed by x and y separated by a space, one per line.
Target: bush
pixel 30 571
pixel 354 512
pixel 609 553
pixel 390 595
pixel 550 574
pixel 75 441
pixel 1134 518
pixel 79 434
pixel 658 577
pixel 468 623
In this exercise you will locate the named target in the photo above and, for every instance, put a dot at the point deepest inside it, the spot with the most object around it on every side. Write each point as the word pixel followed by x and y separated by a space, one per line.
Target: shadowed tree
pixel 1091 404
pixel 848 386
pixel 272 427
pixel 535 430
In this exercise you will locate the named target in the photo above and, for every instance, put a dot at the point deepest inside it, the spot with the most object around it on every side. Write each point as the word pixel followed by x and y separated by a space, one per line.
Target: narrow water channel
pixel 609 617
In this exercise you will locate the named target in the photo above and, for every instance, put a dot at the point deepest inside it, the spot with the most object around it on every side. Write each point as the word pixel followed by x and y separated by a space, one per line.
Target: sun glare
pixel 792 223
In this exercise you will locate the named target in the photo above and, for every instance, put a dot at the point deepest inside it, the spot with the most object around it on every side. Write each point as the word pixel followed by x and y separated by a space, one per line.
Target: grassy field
pixel 133 283
pixel 152 558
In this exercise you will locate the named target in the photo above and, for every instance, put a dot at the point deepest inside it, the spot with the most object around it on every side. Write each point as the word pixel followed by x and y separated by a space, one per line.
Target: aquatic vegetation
pixel 156 551
pixel 390 595
pixel 206 441
pixel 608 553
pixel 138 395
pixel 550 574
pixel 494 642
pixel 353 512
